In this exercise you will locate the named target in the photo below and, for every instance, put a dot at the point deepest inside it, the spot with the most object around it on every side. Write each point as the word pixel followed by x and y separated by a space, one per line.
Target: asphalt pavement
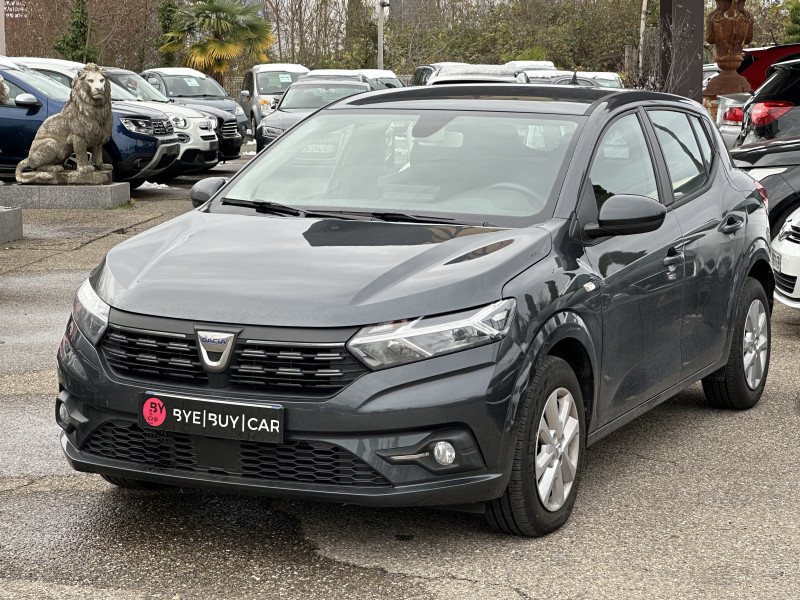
pixel 685 502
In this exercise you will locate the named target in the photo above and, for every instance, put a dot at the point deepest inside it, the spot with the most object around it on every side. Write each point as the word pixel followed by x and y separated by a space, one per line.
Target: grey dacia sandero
pixel 426 296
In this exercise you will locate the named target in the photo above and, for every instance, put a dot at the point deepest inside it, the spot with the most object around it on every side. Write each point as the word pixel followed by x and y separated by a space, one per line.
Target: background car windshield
pixel 382 83
pixel 503 168
pixel 186 86
pixel 43 84
pixel 275 82
pixel 136 86
pixel 317 96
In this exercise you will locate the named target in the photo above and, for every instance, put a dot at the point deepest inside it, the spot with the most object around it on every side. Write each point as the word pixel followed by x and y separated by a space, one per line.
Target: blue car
pixel 142 144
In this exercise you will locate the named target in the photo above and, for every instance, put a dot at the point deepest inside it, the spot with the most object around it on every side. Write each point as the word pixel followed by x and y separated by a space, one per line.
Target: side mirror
pixel 205 189
pixel 273 104
pixel 27 101
pixel 626 215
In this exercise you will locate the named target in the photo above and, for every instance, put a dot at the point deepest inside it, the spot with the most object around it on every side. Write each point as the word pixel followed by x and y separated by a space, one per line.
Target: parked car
pixel 730 113
pixel 757 61
pixel 301 99
pixel 710 70
pixel 477 74
pixel 328 74
pixel 423 72
pixel 189 86
pixel 585 78
pixel 768 146
pixel 195 132
pixel 786 260
pixel 263 85
pixel 452 325
pixel 381 79
pixel 142 145
pixel 535 65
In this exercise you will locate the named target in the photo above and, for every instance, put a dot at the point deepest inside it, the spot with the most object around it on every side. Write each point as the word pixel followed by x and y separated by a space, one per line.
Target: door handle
pixel 673 258
pixel 733 224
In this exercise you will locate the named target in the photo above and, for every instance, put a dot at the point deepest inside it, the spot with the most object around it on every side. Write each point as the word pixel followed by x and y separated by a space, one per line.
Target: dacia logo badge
pixel 215 349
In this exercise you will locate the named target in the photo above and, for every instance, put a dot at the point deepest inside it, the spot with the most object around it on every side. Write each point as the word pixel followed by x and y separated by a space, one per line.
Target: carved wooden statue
pixel 730 28
pixel 85 123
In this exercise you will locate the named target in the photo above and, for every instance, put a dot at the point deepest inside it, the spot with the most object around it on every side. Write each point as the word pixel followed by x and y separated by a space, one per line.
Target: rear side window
pixel 783 84
pixel 622 163
pixel 687 169
pixel 705 144
pixel 13 91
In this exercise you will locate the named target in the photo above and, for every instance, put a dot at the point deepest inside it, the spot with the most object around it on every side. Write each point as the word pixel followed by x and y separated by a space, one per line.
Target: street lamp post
pixel 381 5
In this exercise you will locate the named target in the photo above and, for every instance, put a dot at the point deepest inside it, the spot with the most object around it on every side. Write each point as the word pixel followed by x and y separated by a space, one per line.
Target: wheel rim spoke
pixel 755 341
pixel 557 449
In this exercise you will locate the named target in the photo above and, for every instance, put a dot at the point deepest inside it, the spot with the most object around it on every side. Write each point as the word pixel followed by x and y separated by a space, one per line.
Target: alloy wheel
pixel 755 343
pixel 557 449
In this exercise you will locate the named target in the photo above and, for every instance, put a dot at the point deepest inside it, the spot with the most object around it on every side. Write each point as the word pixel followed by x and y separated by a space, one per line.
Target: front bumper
pixel 352 447
pixel 786 267
pixel 144 166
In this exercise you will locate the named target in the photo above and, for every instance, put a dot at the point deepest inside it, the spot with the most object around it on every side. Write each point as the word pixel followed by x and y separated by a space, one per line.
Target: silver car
pixel 786 261
pixel 263 85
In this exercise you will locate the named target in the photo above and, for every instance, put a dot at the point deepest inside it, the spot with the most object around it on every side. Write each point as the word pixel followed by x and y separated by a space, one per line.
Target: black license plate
pixel 213 418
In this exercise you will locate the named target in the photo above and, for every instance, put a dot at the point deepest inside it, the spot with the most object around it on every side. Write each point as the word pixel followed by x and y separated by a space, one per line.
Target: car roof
pixel 286 67
pixel 375 73
pixel 322 82
pixel 553 99
pixel 179 71
pixel 7 63
pixel 68 65
pixel 791 64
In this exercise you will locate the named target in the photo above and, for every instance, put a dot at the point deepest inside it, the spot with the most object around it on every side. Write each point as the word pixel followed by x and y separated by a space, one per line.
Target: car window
pixel 156 83
pixel 62 79
pixel 687 171
pixel 275 82
pixel 13 91
pixel 705 144
pixel 317 96
pixel 188 86
pixel 622 163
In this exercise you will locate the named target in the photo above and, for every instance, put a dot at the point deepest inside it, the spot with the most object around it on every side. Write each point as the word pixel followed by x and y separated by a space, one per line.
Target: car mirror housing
pixel 627 214
pixel 27 101
pixel 204 190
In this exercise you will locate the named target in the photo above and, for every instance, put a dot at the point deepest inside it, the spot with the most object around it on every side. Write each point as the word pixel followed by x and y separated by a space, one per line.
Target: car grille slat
pixel 793 235
pixel 229 129
pixel 293 461
pixel 785 283
pixel 314 372
pixel 161 127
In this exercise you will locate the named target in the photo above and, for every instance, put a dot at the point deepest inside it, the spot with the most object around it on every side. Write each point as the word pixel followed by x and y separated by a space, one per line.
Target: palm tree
pixel 212 32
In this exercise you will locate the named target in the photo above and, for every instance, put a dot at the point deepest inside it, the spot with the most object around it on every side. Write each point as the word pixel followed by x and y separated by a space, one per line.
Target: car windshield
pixel 609 83
pixel 43 84
pixel 137 88
pixel 499 168
pixel 317 96
pixel 275 82
pixel 382 83
pixel 187 86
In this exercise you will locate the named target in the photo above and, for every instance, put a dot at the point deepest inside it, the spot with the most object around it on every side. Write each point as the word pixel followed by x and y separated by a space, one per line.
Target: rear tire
pixel 740 383
pixel 548 456
pixel 132 484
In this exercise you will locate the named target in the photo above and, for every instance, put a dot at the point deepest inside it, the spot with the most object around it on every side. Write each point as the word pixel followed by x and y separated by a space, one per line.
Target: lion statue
pixel 85 123
pixel 3 91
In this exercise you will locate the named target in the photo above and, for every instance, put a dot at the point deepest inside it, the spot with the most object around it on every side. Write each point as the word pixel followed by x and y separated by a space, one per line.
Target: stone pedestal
pixel 69 177
pixel 10 224
pixel 66 196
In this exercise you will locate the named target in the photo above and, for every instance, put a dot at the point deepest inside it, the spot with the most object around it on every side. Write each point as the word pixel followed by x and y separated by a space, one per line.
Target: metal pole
pixel 2 27
pixel 381 5
pixel 641 38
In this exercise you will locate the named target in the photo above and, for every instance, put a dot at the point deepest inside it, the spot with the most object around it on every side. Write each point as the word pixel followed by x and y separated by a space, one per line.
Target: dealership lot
pixel 686 501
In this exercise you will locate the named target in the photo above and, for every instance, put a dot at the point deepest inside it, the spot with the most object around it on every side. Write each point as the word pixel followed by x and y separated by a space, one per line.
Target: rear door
pixel 713 226
pixel 18 126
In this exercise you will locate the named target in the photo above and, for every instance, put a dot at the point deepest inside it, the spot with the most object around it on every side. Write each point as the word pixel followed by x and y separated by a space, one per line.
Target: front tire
pixel 740 383
pixel 547 459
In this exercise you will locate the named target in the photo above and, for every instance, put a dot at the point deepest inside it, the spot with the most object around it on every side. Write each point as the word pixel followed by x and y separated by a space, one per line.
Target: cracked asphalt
pixel 685 502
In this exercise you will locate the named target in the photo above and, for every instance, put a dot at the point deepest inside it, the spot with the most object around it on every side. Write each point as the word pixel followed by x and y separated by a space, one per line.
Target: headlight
pixel 208 124
pixel 401 342
pixel 238 111
pixel 138 125
pixel 273 131
pixel 90 313
pixel 265 102
pixel 179 122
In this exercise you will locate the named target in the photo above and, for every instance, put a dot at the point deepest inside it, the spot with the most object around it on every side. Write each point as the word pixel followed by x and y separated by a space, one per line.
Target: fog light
pixel 63 414
pixel 444 453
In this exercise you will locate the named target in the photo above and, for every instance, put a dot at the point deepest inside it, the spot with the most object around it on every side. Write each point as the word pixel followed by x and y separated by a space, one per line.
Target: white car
pixel 786 261
pixel 198 149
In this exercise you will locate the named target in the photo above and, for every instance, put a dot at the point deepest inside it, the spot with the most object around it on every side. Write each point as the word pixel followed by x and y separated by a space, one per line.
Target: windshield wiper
pixel 400 217
pixel 264 207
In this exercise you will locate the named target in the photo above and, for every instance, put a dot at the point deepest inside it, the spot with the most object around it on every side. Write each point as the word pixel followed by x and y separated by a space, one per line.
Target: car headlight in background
pixel 207 124
pixel 401 342
pixel 179 122
pixel 138 125
pixel 90 313
pixel 238 111
pixel 273 131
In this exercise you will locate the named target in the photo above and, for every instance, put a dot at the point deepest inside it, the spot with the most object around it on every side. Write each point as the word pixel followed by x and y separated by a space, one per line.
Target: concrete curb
pixel 10 224
pixel 65 196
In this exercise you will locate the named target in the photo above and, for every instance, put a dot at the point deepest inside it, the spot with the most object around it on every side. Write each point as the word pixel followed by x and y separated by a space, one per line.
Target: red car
pixel 756 61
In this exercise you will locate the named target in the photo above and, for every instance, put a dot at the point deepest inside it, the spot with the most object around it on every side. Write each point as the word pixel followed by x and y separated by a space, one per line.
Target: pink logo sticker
pixel 154 412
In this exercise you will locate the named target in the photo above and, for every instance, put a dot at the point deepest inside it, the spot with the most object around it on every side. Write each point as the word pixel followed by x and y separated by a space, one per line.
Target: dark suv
pixel 426 296
pixel 768 146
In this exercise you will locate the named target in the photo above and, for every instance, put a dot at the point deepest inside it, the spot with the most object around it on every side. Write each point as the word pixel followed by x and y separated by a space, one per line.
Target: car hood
pixel 170 109
pixel 283 119
pixel 294 272
pixel 227 104
pixel 134 108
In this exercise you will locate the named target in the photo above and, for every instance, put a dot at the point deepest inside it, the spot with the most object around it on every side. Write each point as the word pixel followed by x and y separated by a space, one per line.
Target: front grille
pixel 793 235
pixel 229 129
pixel 314 371
pixel 293 461
pixel 152 356
pixel 162 127
pixel 785 283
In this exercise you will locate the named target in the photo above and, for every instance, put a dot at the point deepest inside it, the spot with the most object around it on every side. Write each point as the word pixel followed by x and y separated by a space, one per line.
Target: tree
pixel 214 32
pixel 75 43
pixel 793 27
pixel 360 37
pixel 167 12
